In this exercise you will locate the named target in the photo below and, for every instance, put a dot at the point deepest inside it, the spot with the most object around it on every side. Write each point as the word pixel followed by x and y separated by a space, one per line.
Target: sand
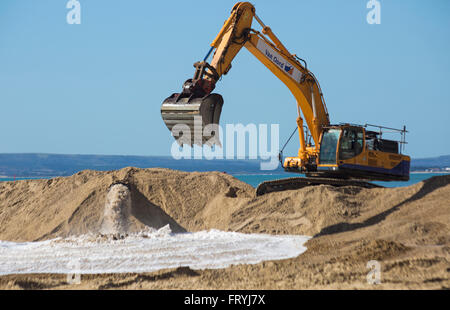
pixel 405 229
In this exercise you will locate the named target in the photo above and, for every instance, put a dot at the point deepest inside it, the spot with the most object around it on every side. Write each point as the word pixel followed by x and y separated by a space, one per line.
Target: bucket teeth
pixel 193 121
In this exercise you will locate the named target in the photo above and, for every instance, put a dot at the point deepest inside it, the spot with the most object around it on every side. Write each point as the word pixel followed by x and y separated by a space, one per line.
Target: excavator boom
pixel 265 46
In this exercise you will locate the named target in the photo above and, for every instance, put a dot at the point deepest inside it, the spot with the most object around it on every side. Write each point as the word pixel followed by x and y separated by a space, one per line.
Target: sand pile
pixel 407 229
pixel 127 200
pixel 130 199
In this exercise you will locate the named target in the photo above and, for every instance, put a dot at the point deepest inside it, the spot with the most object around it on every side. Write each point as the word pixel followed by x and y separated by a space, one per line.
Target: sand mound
pixel 406 229
pixel 122 201
pixel 130 199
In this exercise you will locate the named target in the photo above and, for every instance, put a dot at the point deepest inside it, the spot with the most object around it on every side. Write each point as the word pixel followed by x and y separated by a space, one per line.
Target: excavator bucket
pixel 193 120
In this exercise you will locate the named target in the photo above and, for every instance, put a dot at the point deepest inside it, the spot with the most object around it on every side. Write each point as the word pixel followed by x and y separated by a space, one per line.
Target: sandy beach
pixel 406 229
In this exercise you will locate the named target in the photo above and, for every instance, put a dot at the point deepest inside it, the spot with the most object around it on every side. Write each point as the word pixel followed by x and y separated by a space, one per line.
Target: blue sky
pixel 97 87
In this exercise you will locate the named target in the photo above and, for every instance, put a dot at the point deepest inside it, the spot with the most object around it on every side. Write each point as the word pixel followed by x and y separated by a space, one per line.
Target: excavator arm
pixel 236 33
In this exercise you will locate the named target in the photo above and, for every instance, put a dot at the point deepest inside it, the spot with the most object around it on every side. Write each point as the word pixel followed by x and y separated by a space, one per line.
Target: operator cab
pixel 351 151
pixel 342 143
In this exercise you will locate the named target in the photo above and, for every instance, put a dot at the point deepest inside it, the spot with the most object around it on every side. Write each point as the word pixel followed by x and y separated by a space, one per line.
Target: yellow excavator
pixel 339 154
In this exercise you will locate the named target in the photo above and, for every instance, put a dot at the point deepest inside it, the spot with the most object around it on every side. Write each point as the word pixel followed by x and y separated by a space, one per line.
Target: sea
pixel 255 179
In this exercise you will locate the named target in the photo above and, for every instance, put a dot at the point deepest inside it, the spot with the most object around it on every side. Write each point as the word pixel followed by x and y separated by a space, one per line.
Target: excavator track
pixel 300 182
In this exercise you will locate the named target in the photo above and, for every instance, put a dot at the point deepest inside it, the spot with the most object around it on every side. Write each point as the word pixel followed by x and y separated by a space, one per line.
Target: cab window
pixel 328 147
pixel 351 143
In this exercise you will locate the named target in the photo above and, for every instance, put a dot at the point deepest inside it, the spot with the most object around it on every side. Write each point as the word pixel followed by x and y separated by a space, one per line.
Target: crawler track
pixel 299 182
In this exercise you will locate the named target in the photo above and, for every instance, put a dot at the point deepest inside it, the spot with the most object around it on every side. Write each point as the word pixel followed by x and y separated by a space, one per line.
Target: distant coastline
pixel 55 165
pixel 234 174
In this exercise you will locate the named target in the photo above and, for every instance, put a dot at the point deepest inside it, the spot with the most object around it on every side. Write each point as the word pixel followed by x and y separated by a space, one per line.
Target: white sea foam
pixel 146 252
